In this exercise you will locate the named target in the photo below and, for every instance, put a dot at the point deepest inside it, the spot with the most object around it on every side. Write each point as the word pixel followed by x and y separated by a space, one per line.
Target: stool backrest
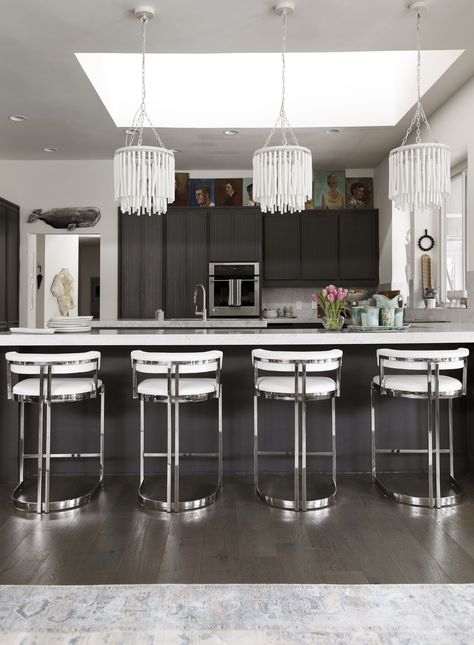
pixel 173 365
pixel 430 361
pixel 275 361
pixel 71 363
pixel 46 366
pixel 182 362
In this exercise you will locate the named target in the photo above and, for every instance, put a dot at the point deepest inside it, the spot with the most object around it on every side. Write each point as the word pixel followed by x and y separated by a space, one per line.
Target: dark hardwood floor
pixel 363 538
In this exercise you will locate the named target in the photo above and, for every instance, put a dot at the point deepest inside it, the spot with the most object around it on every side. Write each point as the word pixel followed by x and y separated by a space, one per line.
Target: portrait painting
pixel 360 192
pixel 329 188
pixel 181 180
pixel 201 193
pixel 247 192
pixel 228 192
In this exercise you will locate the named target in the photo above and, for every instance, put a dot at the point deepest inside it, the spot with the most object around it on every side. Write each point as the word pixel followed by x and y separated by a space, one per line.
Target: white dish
pixel 71 329
pixel 69 319
pixel 31 330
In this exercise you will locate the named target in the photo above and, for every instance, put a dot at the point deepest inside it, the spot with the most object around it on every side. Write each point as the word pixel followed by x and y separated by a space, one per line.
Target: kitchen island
pixel 353 419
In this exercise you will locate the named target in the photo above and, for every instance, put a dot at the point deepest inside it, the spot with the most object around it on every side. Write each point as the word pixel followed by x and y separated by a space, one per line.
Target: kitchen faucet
pixel 203 312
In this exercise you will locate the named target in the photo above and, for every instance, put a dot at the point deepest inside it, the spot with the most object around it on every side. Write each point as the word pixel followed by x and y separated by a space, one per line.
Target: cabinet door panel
pixel 234 235
pixel 359 245
pixel 186 259
pixel 319 246
pixel 282 249
pixel 141 273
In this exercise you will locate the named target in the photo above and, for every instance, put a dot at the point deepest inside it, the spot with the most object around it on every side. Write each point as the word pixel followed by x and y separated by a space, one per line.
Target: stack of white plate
pixel 70 324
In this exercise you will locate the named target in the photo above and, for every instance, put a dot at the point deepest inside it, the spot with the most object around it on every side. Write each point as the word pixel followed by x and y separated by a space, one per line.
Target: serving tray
pixel 380 328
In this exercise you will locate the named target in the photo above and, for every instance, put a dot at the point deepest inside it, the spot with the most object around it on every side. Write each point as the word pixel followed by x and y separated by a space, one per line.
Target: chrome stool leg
pixel 142 441
pixel 176 456
pixel 168 457
pixel 47 478
pixel 304 495
pixel 40 458
pixel 21 451
pixel 297 461
pixel 372 433
pixel 255 443
pixel 430 453
pixel 333 433
pixel 102 436
pixel 450 426
pixel 219 447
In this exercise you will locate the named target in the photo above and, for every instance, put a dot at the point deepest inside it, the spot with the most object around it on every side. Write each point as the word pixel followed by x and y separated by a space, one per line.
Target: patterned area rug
pixel 237 614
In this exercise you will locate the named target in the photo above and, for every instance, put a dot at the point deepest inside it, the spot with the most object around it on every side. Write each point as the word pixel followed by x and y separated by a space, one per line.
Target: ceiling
pixel 41 77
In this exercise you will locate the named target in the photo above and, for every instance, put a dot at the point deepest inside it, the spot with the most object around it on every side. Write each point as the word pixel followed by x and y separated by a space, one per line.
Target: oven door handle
pixel 235 292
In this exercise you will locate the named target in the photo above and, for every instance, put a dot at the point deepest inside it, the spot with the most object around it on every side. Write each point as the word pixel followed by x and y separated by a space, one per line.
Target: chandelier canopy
pixel 282 175
pixel 419 173
pixel 143 175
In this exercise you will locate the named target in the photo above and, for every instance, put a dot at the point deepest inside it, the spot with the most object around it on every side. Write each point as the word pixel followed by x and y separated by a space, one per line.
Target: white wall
pixel 61 252
pixel 51 184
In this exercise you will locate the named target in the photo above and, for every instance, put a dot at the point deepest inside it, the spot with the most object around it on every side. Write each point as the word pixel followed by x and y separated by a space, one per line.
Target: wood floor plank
pixel 364 537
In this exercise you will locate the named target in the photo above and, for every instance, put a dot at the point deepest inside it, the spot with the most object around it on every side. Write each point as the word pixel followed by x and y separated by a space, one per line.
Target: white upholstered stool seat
pixel 44 379
pixel 30 387
pixel 417 383
pixel 186 387
pixel 171 383
pixel 294 376
pixel 286 384
pixel 421 374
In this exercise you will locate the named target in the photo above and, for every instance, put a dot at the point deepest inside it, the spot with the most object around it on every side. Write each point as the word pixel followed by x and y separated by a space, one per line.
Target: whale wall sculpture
pixel 70 217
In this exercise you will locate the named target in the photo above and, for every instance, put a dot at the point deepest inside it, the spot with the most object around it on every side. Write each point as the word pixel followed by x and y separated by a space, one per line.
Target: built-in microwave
pixel 234 289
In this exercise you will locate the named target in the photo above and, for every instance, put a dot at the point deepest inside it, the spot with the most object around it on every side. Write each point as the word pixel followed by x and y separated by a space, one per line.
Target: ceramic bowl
pixel 270 313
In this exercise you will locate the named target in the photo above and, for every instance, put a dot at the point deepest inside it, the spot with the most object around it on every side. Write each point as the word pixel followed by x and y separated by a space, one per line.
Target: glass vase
pixel 333 323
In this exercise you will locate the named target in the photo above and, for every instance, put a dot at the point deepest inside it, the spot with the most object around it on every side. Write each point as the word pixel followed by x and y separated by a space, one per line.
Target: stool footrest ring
pixel 289 504
pixel 147 499
pixel 66 493
pixel 403 498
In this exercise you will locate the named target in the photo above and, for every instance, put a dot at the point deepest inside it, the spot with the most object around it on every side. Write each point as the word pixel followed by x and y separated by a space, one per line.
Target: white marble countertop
pixel 181 323
pixel 418 333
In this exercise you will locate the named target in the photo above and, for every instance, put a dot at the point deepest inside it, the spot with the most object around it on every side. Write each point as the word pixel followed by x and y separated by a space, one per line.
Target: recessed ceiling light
pixel 332 131
pixel 131 131
pixel 18 117
pixel 230 133
pixel 50 149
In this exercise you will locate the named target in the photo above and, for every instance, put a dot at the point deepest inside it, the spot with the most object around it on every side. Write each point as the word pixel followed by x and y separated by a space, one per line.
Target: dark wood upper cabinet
pixel 315 247
pixel 281 247
pixel 319 245
pixel 359 256
pixel 140 265
pixel 186 259
pixel 9 264
pixel 235 234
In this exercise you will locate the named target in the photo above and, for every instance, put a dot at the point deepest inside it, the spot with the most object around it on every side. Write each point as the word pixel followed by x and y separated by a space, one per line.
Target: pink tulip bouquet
pixel 333 302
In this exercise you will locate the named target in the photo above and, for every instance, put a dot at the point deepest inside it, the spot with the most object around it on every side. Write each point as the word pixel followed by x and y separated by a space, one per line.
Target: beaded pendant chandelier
pixel 282 175
pixel 419 173
pixel 143 175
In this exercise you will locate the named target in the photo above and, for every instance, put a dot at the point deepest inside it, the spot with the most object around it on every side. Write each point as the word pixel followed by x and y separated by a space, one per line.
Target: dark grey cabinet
pixel 359 250
pixel 281 247
pixel 315 247
pixel 9 263
pixel 140 265
pixel 185 259
pixel 235 234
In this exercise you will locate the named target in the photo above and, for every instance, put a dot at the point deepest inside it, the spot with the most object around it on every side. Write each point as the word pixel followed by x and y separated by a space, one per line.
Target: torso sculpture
pixel 62 291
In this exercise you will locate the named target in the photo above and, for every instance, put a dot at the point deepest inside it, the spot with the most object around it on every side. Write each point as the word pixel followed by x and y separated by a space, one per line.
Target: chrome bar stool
pixel 171 388
pixel 432 386
pixel 46 379
pixel 300 388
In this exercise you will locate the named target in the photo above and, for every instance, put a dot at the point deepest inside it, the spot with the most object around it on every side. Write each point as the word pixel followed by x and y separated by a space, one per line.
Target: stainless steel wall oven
pixel 234 289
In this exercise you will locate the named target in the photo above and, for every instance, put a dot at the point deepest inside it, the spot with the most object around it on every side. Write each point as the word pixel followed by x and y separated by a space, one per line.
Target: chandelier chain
pixel 419 117
pixel 141 117
pixel 282 119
